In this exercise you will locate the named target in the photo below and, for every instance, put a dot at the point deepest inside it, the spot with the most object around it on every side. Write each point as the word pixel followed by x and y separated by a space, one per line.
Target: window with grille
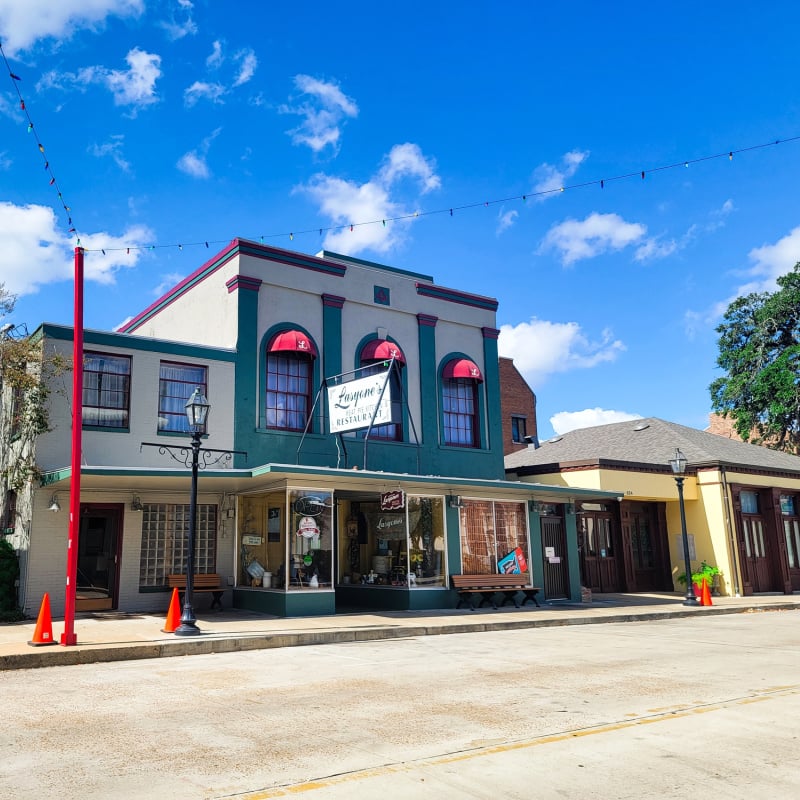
pixel 106 390
pixel 489 532
pixel 176 384
pixel 165 536
pixel 460 404
pixel 518 429
pixel 288 390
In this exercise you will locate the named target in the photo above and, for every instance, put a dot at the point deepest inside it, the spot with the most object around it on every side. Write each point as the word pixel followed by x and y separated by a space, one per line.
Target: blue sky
pixel 181 122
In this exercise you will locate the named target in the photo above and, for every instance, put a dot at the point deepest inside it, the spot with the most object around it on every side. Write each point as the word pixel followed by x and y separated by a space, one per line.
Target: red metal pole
pixel 69 637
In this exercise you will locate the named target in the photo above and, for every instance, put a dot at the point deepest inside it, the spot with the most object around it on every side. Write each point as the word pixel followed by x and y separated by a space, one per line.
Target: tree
pixel 759 350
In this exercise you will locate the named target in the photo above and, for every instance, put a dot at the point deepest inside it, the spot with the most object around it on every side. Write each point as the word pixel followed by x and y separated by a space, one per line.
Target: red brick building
pixel 518 407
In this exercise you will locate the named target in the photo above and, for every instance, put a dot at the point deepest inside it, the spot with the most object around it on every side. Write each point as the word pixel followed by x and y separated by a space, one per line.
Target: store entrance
pixel 98 558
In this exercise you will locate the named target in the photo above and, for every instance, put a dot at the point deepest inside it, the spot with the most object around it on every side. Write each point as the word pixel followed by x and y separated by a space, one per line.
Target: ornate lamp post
pixel 678 464
pixel 196 412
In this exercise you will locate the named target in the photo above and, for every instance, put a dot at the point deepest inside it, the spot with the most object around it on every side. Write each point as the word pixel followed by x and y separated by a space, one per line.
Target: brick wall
pixel 516 399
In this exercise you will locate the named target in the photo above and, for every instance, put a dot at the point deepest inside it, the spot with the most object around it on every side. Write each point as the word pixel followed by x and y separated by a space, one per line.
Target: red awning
pixel 382 350
pixel 462 368
pixel 292 341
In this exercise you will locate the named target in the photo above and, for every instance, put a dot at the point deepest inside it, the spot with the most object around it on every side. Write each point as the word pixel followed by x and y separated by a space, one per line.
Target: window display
pixel 392 540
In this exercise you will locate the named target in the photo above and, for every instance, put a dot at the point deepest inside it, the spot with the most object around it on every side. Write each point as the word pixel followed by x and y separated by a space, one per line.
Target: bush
pixel 9 572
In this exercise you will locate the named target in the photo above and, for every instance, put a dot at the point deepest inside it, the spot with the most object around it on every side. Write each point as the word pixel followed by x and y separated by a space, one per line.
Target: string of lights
pixel 447 211
pixel 15 81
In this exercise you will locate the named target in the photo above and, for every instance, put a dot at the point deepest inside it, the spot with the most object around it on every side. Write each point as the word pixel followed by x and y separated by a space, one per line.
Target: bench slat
pixel 489 585
pixel 203 582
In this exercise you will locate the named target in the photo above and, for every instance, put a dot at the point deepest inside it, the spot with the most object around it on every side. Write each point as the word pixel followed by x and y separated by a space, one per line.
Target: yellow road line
pixel 388 769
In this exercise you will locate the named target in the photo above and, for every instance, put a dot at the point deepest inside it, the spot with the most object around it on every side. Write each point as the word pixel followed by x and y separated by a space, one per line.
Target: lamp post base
pixel 187 629
pixel 689 601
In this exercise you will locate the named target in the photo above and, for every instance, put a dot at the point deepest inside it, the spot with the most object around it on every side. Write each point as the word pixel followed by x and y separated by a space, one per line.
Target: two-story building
pixel 355 446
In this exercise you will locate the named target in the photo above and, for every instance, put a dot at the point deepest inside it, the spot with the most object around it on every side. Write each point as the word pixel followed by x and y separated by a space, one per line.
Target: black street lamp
pixel 196 412
pixel 678 464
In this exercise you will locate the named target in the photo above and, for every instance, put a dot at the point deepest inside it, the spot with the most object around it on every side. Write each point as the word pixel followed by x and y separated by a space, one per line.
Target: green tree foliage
pixel 759 350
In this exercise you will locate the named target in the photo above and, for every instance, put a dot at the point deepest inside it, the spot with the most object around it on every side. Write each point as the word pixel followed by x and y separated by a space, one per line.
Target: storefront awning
pixel 462 368
pixel 291 341
pixel 382 350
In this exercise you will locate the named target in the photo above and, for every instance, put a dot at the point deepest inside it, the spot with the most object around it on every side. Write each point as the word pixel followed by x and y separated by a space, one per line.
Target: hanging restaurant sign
pixel 353 405
pixel 393 501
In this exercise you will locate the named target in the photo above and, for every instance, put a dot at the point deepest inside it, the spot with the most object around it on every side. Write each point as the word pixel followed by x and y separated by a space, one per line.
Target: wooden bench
pixel 202 582
pixel 487 586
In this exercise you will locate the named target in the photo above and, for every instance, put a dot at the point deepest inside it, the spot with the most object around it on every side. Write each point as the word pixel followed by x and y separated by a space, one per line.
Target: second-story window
pixel 460 381
pixel 175 386
pixel 376 356
pixel 518 429
pixel 290 363
pixel 106 390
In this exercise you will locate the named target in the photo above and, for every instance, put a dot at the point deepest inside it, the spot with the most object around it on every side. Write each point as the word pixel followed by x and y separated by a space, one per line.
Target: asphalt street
pixel 667 708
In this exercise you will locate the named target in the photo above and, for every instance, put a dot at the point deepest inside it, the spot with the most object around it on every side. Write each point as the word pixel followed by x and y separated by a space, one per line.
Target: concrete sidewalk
pixel 112 636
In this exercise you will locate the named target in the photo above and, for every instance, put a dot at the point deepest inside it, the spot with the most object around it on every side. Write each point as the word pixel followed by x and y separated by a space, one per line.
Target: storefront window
pixel 262 539
pixel 399 542
pixel 494 537
pixel 310 563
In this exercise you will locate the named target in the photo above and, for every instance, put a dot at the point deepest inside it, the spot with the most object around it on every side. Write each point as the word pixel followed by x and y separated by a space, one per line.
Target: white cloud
pixel 5 161
pixel 247 66
pixel 194 162
pixel 549 179
pixel 25 22
pixel 210 91
pixel 505 219
pixel 347 202
pixel 566 421
pixel 36 252
pixel 177 29
pixel 593 236
pixel 167 282
pixel 132 87
pixel 541 348
pixel 322 114
pixel 216 58
pixel 111 149
pixel 136 86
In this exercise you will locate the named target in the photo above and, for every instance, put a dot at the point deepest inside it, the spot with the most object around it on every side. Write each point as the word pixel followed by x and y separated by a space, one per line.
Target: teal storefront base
pixel 285 604
pixel 345 599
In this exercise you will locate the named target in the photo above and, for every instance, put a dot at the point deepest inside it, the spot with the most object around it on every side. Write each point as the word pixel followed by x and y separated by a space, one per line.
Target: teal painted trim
pixel 573 557
pixel 536 554
pixel 145 344
pixel 290 257
pixel 331 339
pixel 246 371
pixel 452 521
pixel 103 428
pixel 403 383
pixel 318 424
pixel 494 412
pixel 453 296
pixel 482 444
pixel 429 391
pixel 375 265
pixel 55 476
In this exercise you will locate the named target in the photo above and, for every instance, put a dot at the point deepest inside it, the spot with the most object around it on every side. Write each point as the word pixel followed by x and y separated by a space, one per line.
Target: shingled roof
pixel 646 443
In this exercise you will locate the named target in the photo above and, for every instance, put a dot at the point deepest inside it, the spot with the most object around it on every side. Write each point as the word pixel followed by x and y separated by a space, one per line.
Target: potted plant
pixel 705 572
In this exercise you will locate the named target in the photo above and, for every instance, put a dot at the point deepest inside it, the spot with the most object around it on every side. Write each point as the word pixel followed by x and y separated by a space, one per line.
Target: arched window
pixel 460 380
pixel 290 357
pixel 376 355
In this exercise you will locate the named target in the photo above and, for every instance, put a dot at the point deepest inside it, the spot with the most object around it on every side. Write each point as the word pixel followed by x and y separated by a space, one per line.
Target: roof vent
pixel 642 426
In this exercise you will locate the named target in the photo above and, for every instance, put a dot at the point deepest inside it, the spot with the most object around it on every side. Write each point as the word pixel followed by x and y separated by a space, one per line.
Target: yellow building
pixel 742 506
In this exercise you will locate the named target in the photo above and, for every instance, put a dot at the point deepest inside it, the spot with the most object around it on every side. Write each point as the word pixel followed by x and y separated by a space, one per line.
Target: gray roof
pixel 647 442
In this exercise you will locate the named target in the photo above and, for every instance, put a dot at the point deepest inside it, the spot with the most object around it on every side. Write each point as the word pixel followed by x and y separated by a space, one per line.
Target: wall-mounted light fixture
pixel 136 504
pixel 534 506
pixel 455 501
pixel 55 506
pixel 570 508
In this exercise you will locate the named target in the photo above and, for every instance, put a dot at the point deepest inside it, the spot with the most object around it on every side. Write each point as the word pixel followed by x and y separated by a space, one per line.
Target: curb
pixel 210 644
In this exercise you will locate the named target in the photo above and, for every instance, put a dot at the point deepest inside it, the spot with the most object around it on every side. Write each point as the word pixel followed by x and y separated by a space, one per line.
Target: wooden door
pixel 644 550
pixel 554 551
pixel 98 558
pixel 755 552
pixel 599 570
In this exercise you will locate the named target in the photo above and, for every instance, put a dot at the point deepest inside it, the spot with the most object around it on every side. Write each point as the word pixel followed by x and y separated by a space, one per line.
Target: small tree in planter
pixel 705 572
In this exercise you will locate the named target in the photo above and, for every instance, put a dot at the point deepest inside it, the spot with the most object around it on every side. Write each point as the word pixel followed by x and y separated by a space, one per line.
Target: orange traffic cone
pixel 43 633
pixel 174 613
pixel 705 594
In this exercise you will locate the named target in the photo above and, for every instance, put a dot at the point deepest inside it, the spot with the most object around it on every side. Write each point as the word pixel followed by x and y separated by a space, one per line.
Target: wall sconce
pixel 136 504
pixel 534 506
pixel 455 501
pixel 570 508
pixel 55 507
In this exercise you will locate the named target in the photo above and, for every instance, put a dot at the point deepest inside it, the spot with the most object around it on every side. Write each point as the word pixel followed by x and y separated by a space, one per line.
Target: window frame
pixel 288 357
pixel 454 390
pixel 184 428
pixel 100 407
pixel 516 436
